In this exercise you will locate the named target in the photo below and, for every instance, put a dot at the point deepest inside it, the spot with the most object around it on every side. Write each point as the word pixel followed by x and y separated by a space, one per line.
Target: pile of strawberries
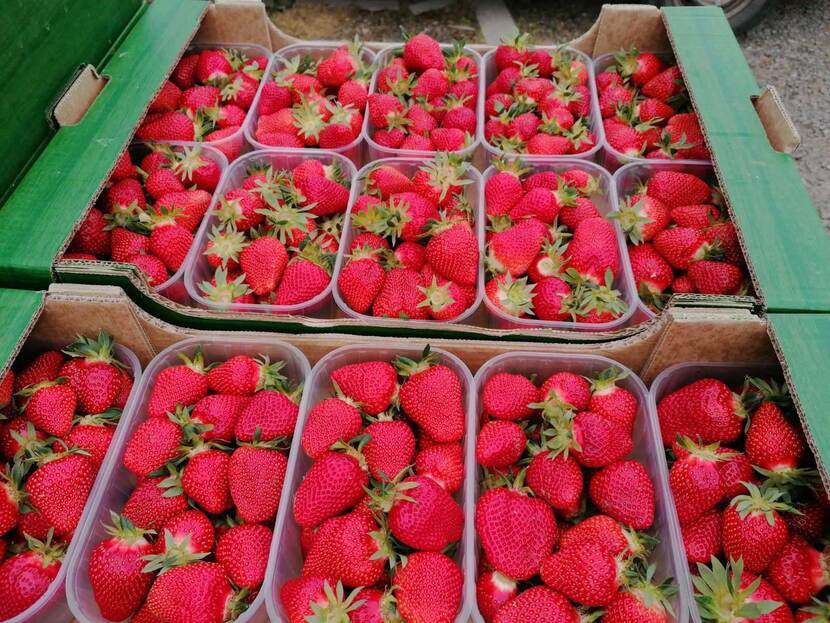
pixel 550 254
pixel 376 509
pixel 562 511
pixel 751 506
pixel 680 239
pixel 206 99
pixel 60 410
pixel 312 103
pixel 415 252
pixel 148 214
pixel 539 101
pixel 209 462
pixel 277 235
pixel 425 98
pixel 646 110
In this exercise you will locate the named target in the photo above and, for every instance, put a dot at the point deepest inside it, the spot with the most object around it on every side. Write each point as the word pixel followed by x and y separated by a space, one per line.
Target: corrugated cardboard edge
pixel 619 26
pixel 21 341
pixel 781 132
pixel 77 99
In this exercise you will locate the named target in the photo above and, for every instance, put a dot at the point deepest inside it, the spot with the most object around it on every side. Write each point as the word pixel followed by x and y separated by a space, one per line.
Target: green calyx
pixel 384 219
pixel 174 554
pixel 94 350
pixel 631 217
pixel 765 500
pixel 48 552
pixel 606 379
pixel 187 161
pixel 123 529
pixel 447 171
pixel 720 597
pixel 337 606
pixel 224 291
pixel 407 367
pixel 226 243
pixel 516 295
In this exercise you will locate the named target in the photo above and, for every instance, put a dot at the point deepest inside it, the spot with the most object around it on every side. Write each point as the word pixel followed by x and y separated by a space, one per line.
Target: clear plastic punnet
pixel 116 482
pixel 489 74
pixel 670 380
pixel 648 450
pixel 53 606
pixel 606 202
pixel 626 180
pixel 317 51
pixel 409 166
pixel 612 159
pixel 376 151
pixel 286 559
pixel 197 267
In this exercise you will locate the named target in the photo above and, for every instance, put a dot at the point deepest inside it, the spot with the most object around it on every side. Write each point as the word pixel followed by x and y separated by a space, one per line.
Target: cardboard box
pixel 79 158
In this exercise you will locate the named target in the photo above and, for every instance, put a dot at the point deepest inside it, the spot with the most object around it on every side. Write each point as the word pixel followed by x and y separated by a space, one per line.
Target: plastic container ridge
pixel 285 561
pixel 116 482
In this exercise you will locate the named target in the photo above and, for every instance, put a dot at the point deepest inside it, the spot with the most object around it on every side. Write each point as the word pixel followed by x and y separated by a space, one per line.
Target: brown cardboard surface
pixel 236 21
pixel 781 131
pixel 72 106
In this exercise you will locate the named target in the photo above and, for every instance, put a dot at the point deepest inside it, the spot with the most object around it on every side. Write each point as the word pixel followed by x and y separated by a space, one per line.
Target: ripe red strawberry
pixel 798 571
pixel 168 126
pixel 361 279
pixel 715 277
pixel 702 537
pixel 811 520
pixel 652 274
pixel 184 537
pixel 115 569
pixel 707 409
pixel 772 441
pixel 269 414
pixel 51 407
pixel 241 207
pixel 506 396
pixel 552 294
pixel 155 442
pixel 585 574
pixel 219 413
pixel 444 463
pixel 44 367
pixel 148 507
pixel 26 576
pixel 182 384
pixel 665 84
pixel 328 197
pixel 643 601
pixel 242 375
pixel 503 189
pixel 93 235
pixel 428 588
pixel 558 481
pixel 126 244
pixel 516 531
pixel 611 400
pixel 538 604
pixel 421 52
pixel 624 491
pixel 566 388
pixel 494 590
pixel 676 189
pixel 390 448
pixel 513 249
pixel 695 480
pixel 734 470
pixel 256 473
pixel 59 487
pixel 328 422
pixel 151 267
pixel 205 479
pixel 753 528
pixel 11 496
pixel 94 434
pixel 372 385
pixel 306 596
pixel 352 548
pixel 593 440
pixel 500 444
pixel 243 552
pixel 306 276
pixel 171 244
pixel 642 217
pixel 197 587
pixel 333 484
pixel 429 384
pixel 453 251
pixel 594 250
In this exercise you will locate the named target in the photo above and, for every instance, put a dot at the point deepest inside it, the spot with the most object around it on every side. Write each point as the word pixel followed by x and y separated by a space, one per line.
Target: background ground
pixel 789 49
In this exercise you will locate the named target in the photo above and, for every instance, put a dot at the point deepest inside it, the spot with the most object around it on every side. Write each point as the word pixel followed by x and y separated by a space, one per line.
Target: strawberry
pixel 187 536
pixel 243 552
pixel 428 588
pixel 642 217
pixel 183 384
pixel 551 297
pixel 256 473
pixel 427 385
pixel 421 53
pixel 333 484
pixel 507 396
pixel 516 531
pixel 151 267
pixel 153 443
pixel 168 126
pixel 453 251
pixel 798 572
pixel 772 441
pixel 306 276
pixel 702 538
pixel 611 400
pixel 242 375
pixel 18 437
pixel 706 409
pixel 197 587
pixel 494 590
pixel 665 84
pixel 676 189
pixel 715 277
pixel 115 569
pixel 585 574
pixel 557 480
pixel 205 479
pixel 59 487
pixel 11 496
pixel 93 237
pixel 503 189
pixel 94 434
pixel 513 249
pixel 51 406
pixel 389 449
pixel 753 528
pixel 171 244
pixel 268 415
pixel 624 491
pixel 695 479
pixel 361 279
pixel 810 520
pixel 593 250
pixel 566 389
pixel 643 600
pixel 308 596
pixel 162 181
pixel 652 274
pixel 26 576
pixel 538 604
pixel 500 444
pixel 444 463
pixel 372 385
pixel 328 422
pixel 148 507
pixel 328 197
pixel 593 440
pixel 603 533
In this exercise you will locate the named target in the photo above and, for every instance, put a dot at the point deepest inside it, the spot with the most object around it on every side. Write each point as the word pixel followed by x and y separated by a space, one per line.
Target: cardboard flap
pixel 41 215
pixel 19 310
pixel 620 26
pixel 780 231
pixel 77 99
pixel 781 131
pixel 238 21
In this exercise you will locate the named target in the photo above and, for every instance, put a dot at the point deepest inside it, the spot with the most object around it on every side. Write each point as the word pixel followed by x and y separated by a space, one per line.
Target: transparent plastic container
pixel 376 151
pixel 286 558
pixel 595 120
pixel 316 50
pixel 668 381
pixel 648 450
pixel 234 145
pixel 116 482
pixel 611 158
pixel 53 606
pixel 197 267
pixel 628 177
pixel 409 167
pixel 606 202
